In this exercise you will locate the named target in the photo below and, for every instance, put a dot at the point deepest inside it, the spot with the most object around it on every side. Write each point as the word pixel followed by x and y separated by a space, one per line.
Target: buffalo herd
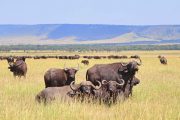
pixel 107 83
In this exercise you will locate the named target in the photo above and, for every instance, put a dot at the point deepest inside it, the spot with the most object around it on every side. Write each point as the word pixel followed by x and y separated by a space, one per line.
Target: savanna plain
pixel 157 97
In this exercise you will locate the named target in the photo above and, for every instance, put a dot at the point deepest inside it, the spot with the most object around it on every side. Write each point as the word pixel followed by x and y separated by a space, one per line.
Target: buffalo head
pixel 112 86
pixel 85 87
pixel 130 67
pixel 10 61
pixel 71 72
pixel 21 58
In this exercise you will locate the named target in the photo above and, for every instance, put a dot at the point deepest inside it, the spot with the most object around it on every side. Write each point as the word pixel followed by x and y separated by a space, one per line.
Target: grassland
pixel 157 97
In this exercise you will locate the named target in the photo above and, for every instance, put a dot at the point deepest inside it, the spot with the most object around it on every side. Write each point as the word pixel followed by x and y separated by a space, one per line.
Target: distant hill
pixel 88 34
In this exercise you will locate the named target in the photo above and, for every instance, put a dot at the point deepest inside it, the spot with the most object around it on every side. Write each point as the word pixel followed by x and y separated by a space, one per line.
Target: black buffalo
pixel 162 59
pixel 135 56
pixel 85 62
pixel 113 71
pixel 19 67
pixel 109 91
pixel 106 93
pixel 102 72
pixel 56 77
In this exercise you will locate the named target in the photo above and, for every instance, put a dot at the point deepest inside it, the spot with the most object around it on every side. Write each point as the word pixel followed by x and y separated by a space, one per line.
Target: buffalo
pixel 56 77
pixel 101 72
pixel 19 67
pixel 66 93
pixel 69 57
pixel 116 57
pixel 109 91
pixel 162 59
pixel 97 57
pixel 3 57
pixel 135 56
pixel 113 71
pixel 85 62
pixel 86 87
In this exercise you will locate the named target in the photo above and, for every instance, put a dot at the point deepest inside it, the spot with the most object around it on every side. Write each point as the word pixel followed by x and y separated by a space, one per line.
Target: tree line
pixel 95 47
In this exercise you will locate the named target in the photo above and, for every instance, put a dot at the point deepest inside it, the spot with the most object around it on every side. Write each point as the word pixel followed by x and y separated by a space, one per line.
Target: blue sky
pixel 121 12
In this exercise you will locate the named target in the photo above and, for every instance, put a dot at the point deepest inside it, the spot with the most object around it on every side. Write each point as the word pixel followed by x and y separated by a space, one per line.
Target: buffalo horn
pixel 140 62
pixel 96 87
pixel 104 82
pixel 74 87
pixel 121 83
pixel 124 64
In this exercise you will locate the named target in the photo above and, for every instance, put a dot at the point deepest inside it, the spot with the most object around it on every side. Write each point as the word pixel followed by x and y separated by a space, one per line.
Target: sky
pixel 116 12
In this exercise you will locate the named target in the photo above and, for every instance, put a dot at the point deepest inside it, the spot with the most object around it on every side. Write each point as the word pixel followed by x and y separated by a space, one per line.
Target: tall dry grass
pixel 157 97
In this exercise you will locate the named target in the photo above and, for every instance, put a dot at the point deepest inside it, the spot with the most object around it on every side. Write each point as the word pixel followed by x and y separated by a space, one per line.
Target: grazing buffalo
pixel 162 59
pixel 36 57
pixel 97 57
pixel 135 56
pixel 124 56
pixel 3 57
pixel 88 57
pixel 55 77
pixel 66 93
pixel 85 62
pixel 116 57
pixel 69 57
pixel 19 67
